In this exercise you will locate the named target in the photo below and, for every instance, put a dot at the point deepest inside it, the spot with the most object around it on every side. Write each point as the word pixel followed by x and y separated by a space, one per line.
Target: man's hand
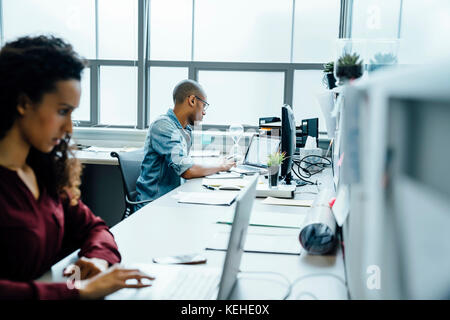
pixel 89 267
pixel 227 165
pixel 197 171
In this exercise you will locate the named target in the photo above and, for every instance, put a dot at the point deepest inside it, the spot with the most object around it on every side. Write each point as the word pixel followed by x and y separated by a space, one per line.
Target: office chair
pixel 130 168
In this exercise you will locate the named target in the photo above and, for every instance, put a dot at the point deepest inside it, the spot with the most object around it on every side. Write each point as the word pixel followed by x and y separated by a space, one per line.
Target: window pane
pixel 118 95
pixel 83 112
pixel 307 83
pixel 247 31
pixel 170 30
pixel 72 20
pixel 242 97
pixel 162 82
pixel 316 27
pixel 117 29
pixel 424 23
pixel 375 19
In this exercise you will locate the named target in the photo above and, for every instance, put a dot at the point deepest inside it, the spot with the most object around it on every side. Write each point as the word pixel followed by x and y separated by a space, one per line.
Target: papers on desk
pixel 288 202
pixel 226 184
pixel 271 219
pixel 260 239
pixel 216 198
pixel 204 153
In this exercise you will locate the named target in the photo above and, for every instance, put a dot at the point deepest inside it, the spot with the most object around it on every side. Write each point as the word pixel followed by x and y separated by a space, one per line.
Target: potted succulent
pixel 274 162
pixel 381 60
pixel 348 67
pixel 328 78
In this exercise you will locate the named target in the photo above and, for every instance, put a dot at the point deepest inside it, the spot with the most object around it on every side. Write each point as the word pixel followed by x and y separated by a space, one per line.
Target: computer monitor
pixel 417 199
pixel 395 129
pixel 288 141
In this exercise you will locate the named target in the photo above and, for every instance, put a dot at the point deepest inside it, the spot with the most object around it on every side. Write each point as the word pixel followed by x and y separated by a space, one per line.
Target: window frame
pixel 143 64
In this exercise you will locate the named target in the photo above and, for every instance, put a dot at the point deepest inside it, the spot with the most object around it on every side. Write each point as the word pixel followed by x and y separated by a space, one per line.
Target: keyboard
pixel 192 286
pixel 246 168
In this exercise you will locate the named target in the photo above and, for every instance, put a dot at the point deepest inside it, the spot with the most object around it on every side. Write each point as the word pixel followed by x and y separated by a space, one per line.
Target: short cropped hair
pixel 186 88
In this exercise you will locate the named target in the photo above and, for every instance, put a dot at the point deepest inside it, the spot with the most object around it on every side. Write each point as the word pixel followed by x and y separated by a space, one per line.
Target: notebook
pixel 261 240
pixel 198 282
pixel 217 198
pixel 225 184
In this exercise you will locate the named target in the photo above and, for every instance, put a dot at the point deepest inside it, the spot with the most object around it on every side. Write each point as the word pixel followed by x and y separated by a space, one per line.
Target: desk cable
pixel 286 280
pixel 290 285
pixel 310 168
pixel 300 279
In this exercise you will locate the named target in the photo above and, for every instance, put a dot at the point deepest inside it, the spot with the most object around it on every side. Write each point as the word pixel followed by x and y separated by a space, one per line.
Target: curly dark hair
pixel 30 67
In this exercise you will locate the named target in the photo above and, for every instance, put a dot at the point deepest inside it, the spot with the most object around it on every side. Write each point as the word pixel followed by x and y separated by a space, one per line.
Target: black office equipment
pixel 288 141
pixel 309 127
pixel 130 168
pixel 268 120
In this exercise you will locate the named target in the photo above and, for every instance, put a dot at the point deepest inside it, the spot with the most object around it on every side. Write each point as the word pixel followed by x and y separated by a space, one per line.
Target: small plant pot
pixel 331 80
pixel 274 174
pixel 346 73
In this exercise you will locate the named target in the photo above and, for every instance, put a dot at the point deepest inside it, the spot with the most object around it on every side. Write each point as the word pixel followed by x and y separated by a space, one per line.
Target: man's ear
pixel 191 100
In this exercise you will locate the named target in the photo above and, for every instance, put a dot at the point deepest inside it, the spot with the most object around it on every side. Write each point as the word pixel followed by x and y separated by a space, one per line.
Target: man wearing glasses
pixel 168 142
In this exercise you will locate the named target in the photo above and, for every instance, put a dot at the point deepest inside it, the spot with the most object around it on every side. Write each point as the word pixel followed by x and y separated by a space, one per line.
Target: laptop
pixel 255 160
pixel 176 282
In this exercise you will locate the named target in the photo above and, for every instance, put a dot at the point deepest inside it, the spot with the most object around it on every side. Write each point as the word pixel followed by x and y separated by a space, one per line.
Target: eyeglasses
pixel 205 104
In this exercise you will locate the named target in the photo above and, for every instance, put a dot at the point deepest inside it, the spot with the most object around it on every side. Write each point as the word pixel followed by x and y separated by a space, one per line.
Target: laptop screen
pixel 236 242
pixel 259 150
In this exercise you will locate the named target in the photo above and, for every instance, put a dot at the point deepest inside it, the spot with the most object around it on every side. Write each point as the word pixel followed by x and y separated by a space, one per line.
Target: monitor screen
pixel 259 150
pixel 288 138
pixel 416 195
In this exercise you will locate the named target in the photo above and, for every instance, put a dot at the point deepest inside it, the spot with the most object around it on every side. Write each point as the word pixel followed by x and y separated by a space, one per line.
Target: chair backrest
pixel 130 167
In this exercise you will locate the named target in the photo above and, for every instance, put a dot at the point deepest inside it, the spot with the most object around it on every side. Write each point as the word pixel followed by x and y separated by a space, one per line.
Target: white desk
pixel 101 157
pixel 92 157
pixel 166 227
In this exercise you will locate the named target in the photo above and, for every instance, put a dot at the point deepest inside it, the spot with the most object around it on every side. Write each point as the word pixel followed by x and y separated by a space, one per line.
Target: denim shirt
pixel 166 157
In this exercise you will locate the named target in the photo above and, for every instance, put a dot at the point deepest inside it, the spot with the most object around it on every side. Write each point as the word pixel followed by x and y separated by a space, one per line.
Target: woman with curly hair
pixel 42 218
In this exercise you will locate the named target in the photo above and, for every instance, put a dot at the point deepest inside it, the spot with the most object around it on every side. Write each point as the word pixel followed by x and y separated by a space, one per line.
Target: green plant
pixel 349 66
pixel 276 159
pixel 349 59
pixel 328 67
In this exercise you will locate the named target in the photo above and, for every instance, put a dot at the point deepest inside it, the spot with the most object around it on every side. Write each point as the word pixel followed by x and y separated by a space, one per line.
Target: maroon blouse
pixel 35 234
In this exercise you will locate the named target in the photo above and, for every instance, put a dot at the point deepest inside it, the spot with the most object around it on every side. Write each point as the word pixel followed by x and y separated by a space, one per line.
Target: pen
pixel 208 187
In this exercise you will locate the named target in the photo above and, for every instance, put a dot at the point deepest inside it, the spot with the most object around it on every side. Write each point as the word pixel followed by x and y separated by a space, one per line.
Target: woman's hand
pixel 115 278
pixel 87 267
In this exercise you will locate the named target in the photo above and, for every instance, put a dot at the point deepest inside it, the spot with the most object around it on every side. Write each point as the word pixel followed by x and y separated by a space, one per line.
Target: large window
pixel 424 25
pixel 246 54
pixel 251 56
pixel 243 31
pixel 419 26
pixel 104 32
pixel 242 96
pixel 376 19
pixel 69 19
